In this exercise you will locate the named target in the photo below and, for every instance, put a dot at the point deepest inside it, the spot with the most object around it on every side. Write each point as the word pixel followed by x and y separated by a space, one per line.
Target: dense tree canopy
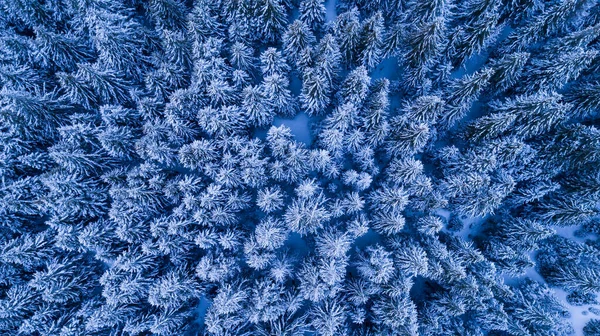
pixel 300 167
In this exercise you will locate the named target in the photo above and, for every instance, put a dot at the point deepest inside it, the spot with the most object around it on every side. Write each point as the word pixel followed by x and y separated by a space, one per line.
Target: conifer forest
pixel 300 167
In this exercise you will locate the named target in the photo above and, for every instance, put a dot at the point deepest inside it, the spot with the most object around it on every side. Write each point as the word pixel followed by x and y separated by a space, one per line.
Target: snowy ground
pixel 202 309
pixel 570 233
pixel 580 315
pixel 331 12
pixel 299 126
pixel 470 225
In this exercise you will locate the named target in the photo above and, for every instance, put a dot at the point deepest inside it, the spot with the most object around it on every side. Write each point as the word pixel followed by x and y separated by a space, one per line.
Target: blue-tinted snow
pixel 202 309
pixel 580 315
pixel 369 238
pixel 470 225
pixel 331 12
pixel 297 245
pixel 299 126
pixel 470 66
pixel 570 232
pixel 388 68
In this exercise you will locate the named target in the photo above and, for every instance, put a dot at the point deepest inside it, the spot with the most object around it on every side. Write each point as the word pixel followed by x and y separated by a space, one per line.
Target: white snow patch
pixel 465 232
pixel 298 125
pixel 532 273
pixel 295 84
pixel 470 227
pixel 442 212
pixel 295 15
pixel 580 315
pixel 569 232
pixel 296 244
pixel 370 238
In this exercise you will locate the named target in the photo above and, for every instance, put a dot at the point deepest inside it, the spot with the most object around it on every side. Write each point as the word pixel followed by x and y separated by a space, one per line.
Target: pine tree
pixel 71 196
pixel 63 280
pixel 490 126
pixel 479 30
pixel 255 106
pixel 410 258
pixel 226 310
pixel 328 57
pixel 371 40
pixel 108 85
pixel 375 119
pixel 407 138
pixel 272 18
pixel 313 13
pixel 585 99
pixel 118 142
pixel 145 190
pixel 347 33
pixel 553 74
pixel 356 86
pixel 403 171
pixel 328 318
pixel 390 223
pixel 462 93
pixel 428 9
pixel 203 23
pixel 315 92
pixel 242 56
pixel 555 18
pixel 429 225
pixel 273 62
pixel 566 211
pixel 388 310
pixel 278 94
pixel 536 113
pixel 376 265
pixel 392 43
pixel 297 38
pixel 60 51
pixel 425 109
pixel 591 327
pixel 168 14
pixel 117 39
pixel 524 232
pixel 584 280
pixel 172 290
pixel 30 251
pixel 423 45
pixel 307 215
pixel 508 69
pixel 387 198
